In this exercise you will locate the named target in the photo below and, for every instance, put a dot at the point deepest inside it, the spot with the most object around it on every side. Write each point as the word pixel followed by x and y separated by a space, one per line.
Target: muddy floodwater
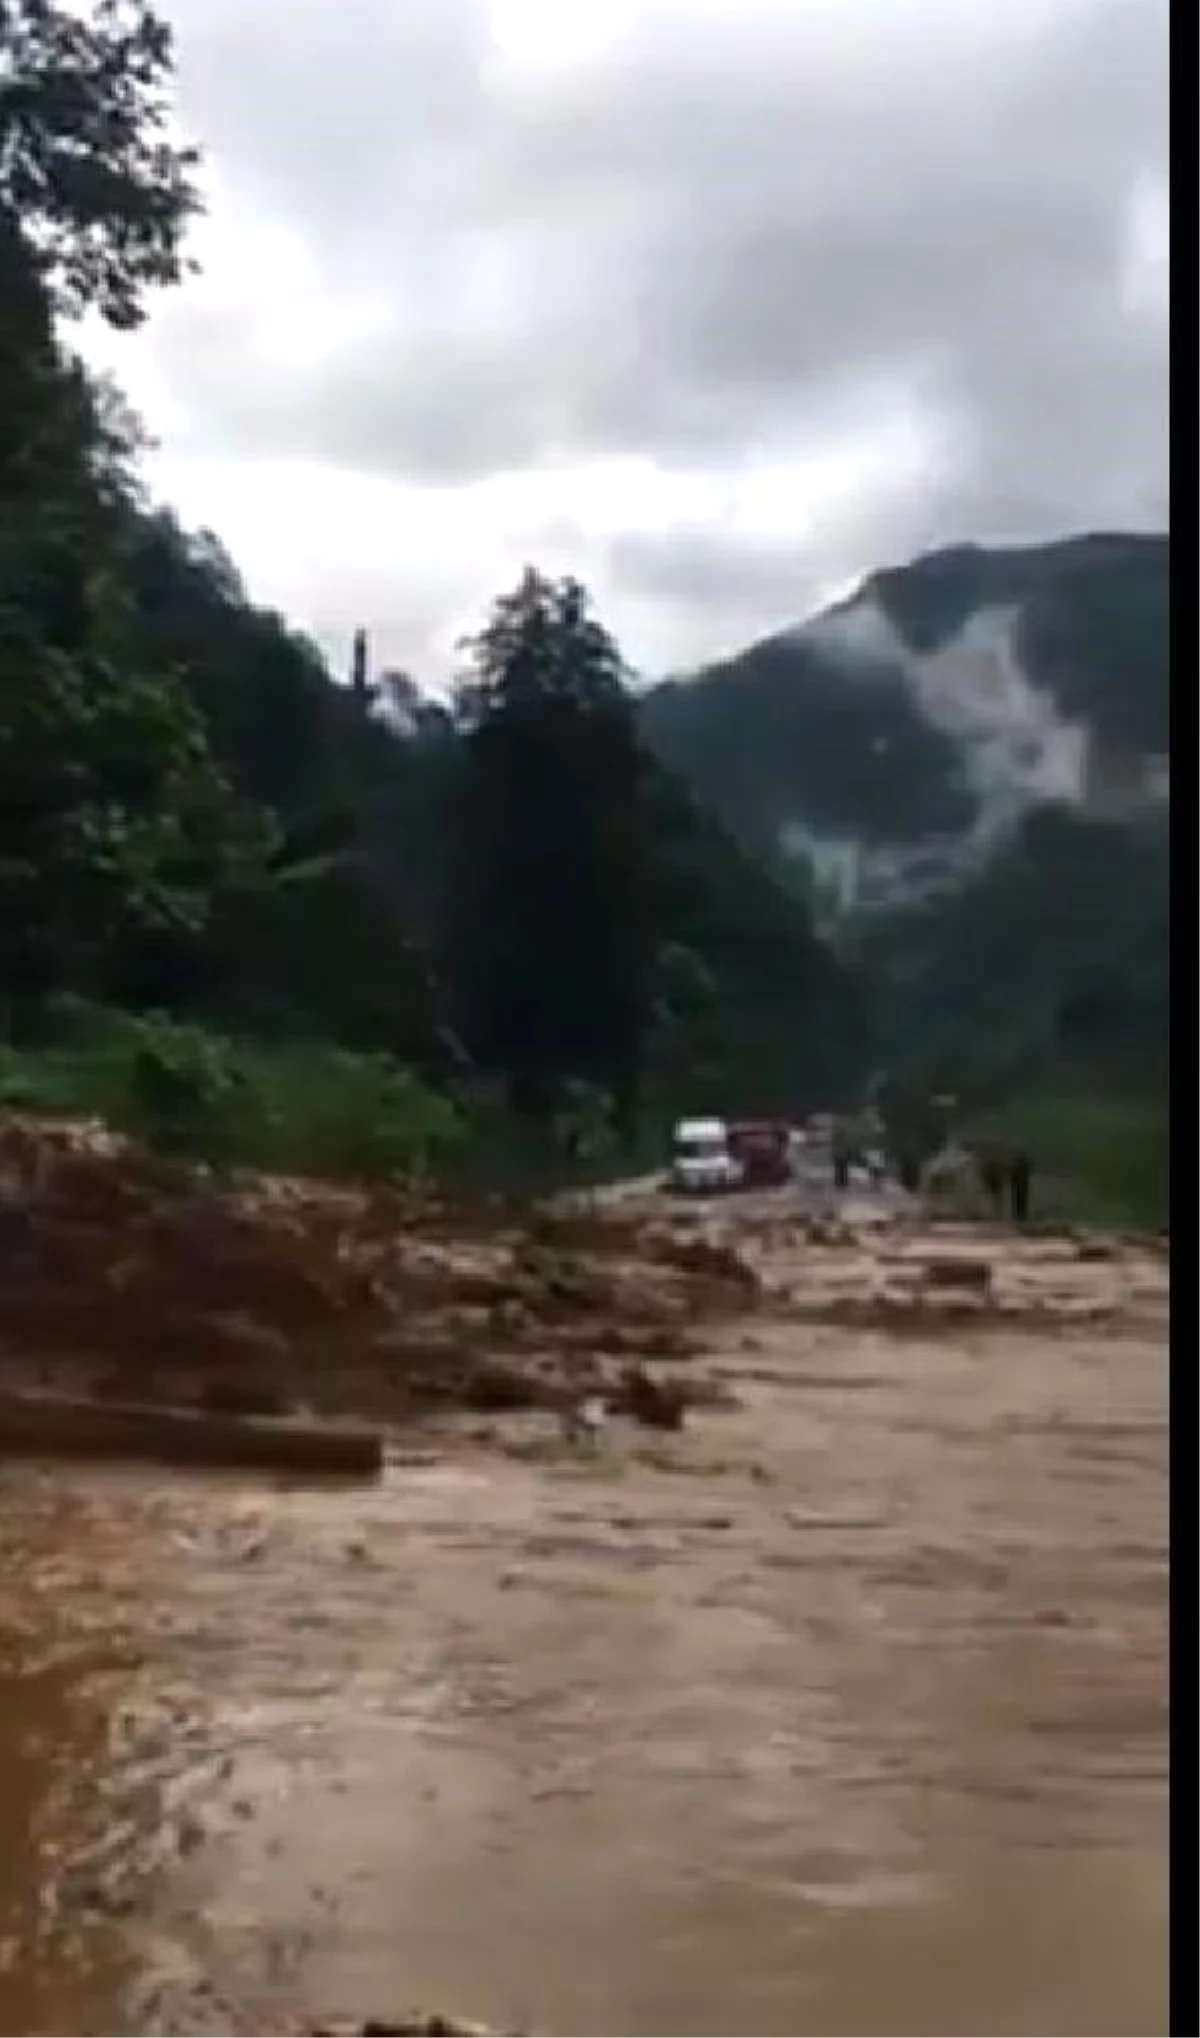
pixel 843 1711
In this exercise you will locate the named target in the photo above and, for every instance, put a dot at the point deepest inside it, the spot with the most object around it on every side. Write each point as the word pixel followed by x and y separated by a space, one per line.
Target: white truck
pixel 701 1160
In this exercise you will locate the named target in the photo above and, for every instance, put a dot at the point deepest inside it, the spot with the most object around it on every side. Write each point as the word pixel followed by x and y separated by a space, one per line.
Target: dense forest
pixel 311 919
pixel 233 899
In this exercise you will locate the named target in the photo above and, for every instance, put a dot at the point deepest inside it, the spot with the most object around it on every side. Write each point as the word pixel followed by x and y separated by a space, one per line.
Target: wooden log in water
pixel 60 1425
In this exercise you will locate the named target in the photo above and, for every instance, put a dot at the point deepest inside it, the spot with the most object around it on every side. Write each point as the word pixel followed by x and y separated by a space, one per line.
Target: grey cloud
pixel 332 117
pixel 704 248
pixel 724 588
pixel 709 569
pixel 721 591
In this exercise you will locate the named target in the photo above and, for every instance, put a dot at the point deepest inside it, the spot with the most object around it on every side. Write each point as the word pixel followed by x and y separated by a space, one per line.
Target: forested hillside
pixel 966 764
pixel 937 697
pixel 510 910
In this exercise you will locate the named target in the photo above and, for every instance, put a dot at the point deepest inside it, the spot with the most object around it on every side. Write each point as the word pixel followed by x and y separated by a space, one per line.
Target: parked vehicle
pixel 763 1147
pixel 702 1161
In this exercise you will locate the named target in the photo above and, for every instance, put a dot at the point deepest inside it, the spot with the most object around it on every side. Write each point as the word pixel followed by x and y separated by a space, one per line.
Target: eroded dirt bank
pixel 136 1282
pixel 841 1711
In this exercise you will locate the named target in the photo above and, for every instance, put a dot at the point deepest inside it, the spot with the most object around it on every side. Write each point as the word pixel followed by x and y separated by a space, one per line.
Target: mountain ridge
pixel 924 713
pixel 964 766
pixel 962 770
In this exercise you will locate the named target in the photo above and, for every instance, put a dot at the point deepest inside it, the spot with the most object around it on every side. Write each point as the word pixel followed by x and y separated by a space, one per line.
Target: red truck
pixel 763 1148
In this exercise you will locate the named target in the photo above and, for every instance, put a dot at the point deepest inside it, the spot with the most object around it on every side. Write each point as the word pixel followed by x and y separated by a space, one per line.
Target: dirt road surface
pixel 842 1711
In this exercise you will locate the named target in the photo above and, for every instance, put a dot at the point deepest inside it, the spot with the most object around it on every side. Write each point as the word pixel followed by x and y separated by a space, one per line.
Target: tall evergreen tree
pixel 552 946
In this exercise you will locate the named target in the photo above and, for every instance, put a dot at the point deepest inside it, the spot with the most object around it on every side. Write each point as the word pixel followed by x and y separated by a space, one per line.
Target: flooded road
pixel 845 1711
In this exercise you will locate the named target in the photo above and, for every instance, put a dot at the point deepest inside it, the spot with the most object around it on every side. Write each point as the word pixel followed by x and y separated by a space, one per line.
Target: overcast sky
pixel 716 303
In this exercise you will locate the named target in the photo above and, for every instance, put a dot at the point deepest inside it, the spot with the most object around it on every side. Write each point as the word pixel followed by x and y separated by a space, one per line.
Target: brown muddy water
pixel 844 1712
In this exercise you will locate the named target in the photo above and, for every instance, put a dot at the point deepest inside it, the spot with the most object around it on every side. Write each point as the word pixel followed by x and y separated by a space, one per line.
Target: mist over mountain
pixel 893 742
pixel 965 768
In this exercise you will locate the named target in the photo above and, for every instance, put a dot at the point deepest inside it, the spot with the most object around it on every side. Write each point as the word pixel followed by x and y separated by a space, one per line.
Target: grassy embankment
pixel 1099 1157
pixel 296 1107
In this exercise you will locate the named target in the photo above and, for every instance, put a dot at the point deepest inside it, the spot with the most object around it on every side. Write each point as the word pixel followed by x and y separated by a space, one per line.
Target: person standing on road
pixel 840 1149
pixel 992 1173
pixel 1020 1177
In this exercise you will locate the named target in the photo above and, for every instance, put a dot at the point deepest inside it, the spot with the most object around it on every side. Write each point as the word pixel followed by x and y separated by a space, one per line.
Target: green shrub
pixel 302 1108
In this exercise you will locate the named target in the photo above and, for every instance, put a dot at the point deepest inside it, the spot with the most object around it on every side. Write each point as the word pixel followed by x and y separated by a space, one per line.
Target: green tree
pixel 89 176
pixel 338 944
pixel 115 825
pixel 116 828
pixel 756 1014
pixel 551 942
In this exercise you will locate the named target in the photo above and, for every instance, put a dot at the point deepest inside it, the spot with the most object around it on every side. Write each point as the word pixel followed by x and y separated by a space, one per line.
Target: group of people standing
pixel 1007 1178
pixel 1000 1179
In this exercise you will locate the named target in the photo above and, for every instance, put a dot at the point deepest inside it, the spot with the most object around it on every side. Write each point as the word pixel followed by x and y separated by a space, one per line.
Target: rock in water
pixel 957 1270
pixel 418 2024
pixel 658 1404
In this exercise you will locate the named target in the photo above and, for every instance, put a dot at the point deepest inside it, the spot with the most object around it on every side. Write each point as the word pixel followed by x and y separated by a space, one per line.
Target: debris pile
pixel 917 1291
pixel 405 2024
pixel 417 2024
pixel 136 1279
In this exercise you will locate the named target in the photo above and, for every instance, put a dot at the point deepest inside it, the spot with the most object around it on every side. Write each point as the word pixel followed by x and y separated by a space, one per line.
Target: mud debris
pixel 828 1231
pixel 135 1281
pixel 957 1270
pixel 131 1280
pixel 656 1403
pixel 417 2024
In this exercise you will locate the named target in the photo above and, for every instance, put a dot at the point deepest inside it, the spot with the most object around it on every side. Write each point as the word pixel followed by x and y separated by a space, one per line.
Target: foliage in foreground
pixel 300 1108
